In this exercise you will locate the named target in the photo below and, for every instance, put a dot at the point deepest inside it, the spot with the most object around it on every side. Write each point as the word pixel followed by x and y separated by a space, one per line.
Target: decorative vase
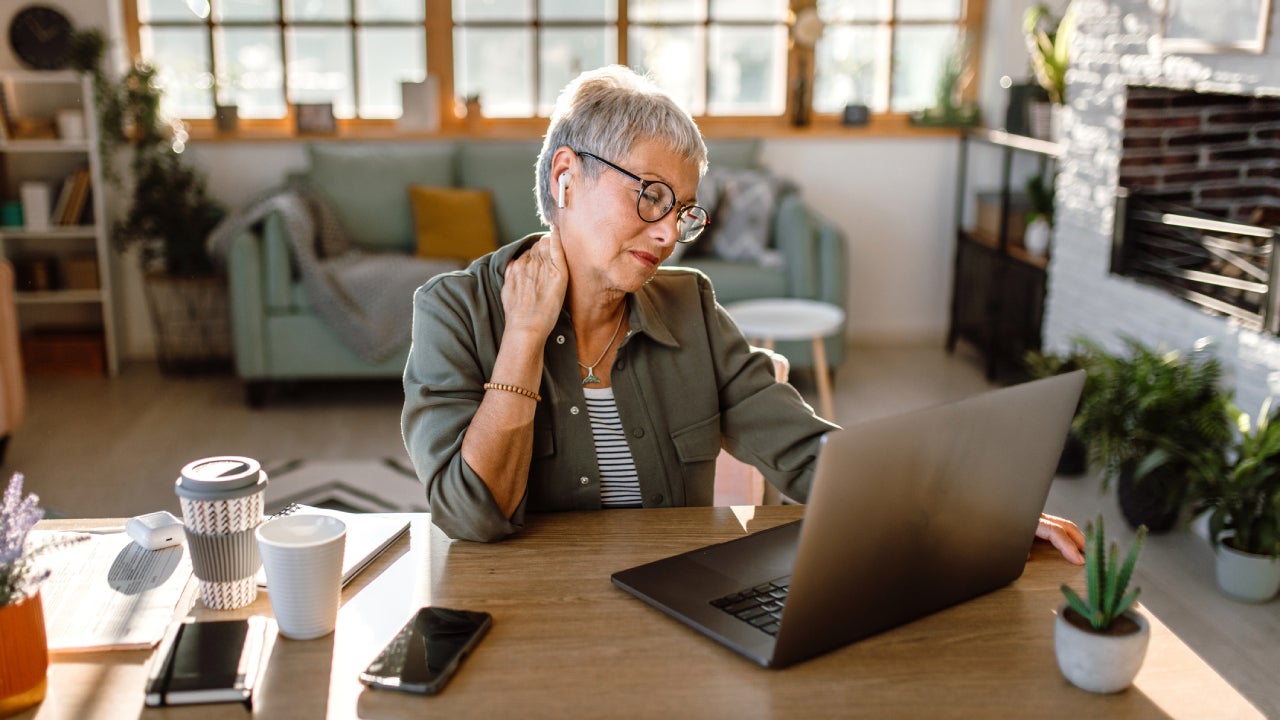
pixel 1100 662
pixel 1040 113
pixel 1245 576
pixel 1036 237
pixel 1146 503
pixel 226 118
pixel 25 652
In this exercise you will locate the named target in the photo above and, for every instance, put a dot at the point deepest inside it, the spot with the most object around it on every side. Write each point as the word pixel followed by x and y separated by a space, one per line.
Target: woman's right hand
pixel 535 286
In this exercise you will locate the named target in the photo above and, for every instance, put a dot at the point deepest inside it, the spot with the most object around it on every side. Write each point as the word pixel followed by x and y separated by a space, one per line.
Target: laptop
pixel 907 515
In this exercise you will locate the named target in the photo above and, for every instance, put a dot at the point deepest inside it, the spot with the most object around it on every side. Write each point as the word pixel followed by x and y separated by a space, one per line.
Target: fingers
pixel 1063 535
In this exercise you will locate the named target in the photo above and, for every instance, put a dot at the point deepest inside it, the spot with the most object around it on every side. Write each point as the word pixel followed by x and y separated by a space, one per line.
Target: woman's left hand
pixel 1064 535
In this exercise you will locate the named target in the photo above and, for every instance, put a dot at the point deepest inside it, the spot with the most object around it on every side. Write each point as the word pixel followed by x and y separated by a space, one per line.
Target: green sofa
pixel 277 336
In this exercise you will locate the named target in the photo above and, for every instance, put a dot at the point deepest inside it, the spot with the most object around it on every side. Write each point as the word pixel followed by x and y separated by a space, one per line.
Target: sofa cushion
pixel 742 204
pixel 734 281
pixel 452 222
pixel 365 186
pixel 737 154
pixel 505 169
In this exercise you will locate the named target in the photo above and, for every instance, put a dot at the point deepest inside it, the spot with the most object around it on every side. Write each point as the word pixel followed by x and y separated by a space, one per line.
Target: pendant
pixel 591 377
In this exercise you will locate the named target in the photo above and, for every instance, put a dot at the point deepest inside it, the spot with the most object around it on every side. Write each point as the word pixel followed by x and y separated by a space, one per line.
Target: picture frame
pixel 1205 26
pixel 314 118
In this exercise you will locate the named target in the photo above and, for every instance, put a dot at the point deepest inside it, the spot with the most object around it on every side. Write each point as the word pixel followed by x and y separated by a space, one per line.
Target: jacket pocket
pixel 698 442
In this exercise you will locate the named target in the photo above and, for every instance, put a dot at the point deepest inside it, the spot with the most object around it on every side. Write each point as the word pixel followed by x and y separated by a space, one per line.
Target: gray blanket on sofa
pixel 366 298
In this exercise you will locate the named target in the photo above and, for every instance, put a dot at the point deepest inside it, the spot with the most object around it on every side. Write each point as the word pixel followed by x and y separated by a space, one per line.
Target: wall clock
pixel 41 37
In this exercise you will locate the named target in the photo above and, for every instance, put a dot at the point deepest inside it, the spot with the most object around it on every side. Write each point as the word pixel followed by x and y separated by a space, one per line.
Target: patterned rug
pixel 371 485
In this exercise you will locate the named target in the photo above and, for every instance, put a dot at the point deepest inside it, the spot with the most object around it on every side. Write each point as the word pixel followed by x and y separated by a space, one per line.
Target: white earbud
pixel 564 183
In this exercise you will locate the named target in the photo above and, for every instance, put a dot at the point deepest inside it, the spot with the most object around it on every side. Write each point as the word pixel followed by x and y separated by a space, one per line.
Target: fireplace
pixel 1183 150
pixel 1198 201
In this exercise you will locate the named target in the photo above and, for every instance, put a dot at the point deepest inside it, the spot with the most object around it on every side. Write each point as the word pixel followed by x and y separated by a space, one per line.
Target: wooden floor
pixel 92 447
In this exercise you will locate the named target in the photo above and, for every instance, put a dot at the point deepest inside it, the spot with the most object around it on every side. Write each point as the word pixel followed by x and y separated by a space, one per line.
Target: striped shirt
pixel 619 483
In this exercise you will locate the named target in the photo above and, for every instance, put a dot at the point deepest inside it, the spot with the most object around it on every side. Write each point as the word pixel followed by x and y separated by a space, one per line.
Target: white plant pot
pixel 1096 662
pixel 1247 577
pixel 1036 237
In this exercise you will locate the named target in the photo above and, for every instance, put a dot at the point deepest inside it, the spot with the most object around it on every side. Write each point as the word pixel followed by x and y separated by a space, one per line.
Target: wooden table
pixel 566 643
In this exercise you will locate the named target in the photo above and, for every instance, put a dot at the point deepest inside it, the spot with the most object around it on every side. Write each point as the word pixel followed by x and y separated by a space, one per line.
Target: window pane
pixel 383 10
pixel 671 55
pixel 509 10
pixel 495 63
pixel 918 57
pixel 928 9
pixel 388 56
pixel 566 52
pixel 854 10
pixel 749 10
pixel 849 68
pixel 320 68
pixel 605 10
pixel 748 70
pixel 666 10
pixel 317 10
pixel 181 56
pixel 259 10
pixel 251 70
pixel 172 10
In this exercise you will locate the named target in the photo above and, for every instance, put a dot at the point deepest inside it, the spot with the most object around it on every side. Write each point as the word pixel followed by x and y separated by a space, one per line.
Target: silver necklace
pixel 591 369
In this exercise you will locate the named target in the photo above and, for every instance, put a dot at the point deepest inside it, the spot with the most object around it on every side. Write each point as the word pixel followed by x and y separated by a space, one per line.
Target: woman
pixel 567 371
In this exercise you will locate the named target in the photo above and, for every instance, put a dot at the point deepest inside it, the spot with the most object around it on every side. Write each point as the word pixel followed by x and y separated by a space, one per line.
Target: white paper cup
pixel 302 555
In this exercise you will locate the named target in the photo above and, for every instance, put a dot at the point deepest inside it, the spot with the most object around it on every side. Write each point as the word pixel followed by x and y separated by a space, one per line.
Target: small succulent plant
pixel 1106 578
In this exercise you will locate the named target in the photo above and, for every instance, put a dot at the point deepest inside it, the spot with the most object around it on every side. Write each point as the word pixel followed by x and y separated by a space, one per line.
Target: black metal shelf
pixel 998 289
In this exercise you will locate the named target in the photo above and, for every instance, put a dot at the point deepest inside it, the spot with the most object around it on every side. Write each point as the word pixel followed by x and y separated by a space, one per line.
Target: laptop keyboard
pixel 761 605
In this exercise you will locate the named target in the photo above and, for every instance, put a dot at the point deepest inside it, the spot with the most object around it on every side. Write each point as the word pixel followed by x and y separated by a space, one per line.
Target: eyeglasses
pixel 657 200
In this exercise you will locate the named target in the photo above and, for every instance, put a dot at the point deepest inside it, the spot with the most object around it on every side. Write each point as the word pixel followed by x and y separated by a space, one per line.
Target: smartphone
pixel 427 651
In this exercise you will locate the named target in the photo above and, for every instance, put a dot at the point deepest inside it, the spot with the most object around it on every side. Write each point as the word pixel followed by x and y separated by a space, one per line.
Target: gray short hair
pixel 606 112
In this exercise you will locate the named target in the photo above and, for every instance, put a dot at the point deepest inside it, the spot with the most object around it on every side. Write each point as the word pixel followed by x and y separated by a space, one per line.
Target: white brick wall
pixel 1118 46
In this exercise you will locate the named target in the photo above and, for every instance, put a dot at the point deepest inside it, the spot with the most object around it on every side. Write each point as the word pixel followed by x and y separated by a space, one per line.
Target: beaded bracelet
pixel 514 389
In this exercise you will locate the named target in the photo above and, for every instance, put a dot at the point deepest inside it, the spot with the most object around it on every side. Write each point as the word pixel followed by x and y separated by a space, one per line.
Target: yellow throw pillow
pixel 452 222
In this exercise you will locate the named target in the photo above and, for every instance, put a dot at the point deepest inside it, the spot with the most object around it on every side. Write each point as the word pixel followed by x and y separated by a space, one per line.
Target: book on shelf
pixel 6 117
pixel 368 534
pixel 65 186
pixel 79 195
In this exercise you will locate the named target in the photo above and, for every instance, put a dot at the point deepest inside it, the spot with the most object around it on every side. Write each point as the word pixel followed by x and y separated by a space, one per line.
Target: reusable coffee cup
pixel 302 555
pixel 221 507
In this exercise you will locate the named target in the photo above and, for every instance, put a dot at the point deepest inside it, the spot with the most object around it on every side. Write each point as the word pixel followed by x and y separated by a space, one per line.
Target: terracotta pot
pixel 26 655
pixel 1100 662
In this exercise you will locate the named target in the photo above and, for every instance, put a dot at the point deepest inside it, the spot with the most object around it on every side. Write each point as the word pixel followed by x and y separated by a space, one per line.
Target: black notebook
pixel 368 534
pixel 207 662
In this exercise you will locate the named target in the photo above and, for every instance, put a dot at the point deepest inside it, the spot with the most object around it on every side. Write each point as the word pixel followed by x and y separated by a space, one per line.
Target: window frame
pixel 439 31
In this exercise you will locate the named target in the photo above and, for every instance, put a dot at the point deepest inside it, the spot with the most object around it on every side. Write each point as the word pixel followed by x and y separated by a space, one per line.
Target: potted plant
pixel 1039 214
pixel 1242 499
pixel 168 212
pixel 1048 39
pixel 23 646
pixel 1100 640
pixel 1149 417
pixel 1039 364
pixel 950 108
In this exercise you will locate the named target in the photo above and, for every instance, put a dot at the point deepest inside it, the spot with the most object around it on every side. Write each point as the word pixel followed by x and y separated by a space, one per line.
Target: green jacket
pixel 685 380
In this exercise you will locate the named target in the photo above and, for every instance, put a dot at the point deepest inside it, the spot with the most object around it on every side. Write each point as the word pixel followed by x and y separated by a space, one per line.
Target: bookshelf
pixel 52 224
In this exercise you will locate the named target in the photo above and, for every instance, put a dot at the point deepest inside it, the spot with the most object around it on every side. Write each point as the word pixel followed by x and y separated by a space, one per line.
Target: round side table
pixel 769 320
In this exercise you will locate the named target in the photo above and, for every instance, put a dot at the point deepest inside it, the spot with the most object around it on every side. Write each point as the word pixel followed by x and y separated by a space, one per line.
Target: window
pixel 719 58
pixel 886 54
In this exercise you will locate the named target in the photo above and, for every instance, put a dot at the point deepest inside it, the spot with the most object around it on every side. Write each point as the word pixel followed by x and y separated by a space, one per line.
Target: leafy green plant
pixel 1042 364
pixel 170 213
pixel 1242 494
pixel 1153 413
pixel 1040 197
pixel 1048 40
pixel 1106 578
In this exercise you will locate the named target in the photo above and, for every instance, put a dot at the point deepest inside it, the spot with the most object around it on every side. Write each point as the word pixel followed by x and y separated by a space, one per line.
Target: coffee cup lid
pixel 224 477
